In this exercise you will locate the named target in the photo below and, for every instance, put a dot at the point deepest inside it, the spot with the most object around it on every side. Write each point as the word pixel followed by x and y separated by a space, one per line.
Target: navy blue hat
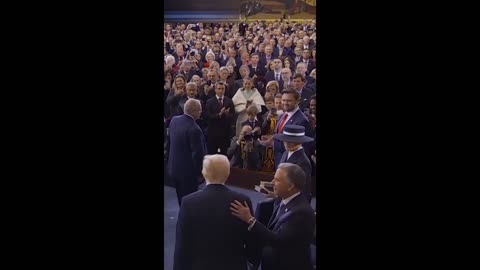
pixel 294 134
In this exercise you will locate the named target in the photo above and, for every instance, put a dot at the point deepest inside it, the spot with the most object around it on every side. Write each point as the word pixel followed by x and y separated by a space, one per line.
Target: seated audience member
pixel 284 240
pixel 244 152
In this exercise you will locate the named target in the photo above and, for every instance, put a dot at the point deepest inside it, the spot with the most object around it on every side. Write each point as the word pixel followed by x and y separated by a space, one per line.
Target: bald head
pixel 216 169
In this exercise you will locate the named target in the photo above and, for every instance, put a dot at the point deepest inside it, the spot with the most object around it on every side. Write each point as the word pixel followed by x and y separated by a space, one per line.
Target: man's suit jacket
pixel 254 158
pixel 262 61
pixel 219 126
pixel 208 236
pixel 300 158
pixel 305 98
pixel 187 149
pixel 297 119
pixel 270 76
pixel 286 240
pixel 310 65
pixel 260 71
pixel 276 52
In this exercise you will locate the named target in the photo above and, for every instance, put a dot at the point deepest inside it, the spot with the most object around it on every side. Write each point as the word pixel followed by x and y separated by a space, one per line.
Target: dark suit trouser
pixel 184 187
pixel 214 142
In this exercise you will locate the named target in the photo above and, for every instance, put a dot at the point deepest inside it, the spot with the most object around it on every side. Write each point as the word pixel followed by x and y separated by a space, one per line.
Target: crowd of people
pixel 242 95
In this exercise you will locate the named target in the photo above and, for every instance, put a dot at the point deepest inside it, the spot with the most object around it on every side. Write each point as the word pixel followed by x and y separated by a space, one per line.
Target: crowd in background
pixel 238 72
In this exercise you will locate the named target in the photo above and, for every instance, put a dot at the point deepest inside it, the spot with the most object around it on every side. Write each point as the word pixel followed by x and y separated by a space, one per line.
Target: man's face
pixel 245 72
pixel 286 74
pixel 298 84
pixel 288 43
pixel 289 103
pixel 261 48
pixel 277 64
pixel 313 106
pixel 198 45
pixel 281 186
pixel 224 74
pixel 298 51
pixel 278 104
pixel 251 117
pixel 179 50
pixel 301 68
pixel 281 41
pixel 306 54
pixel 232 53
pixel 300 43
pixel 196 80
pixel 254 59
pixel 220 90
pixel 191 91
pixel 211 75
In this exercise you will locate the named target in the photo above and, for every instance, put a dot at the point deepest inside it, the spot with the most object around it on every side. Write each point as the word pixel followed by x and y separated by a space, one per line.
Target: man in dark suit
pixel 265 59
pixel 255 67
pixel 292 116
pixel 186 150
pixel 293 136
pixel 307 59
pixel 285 240
pixel 276 73
pixel 176 101
pixel 219 113
pixel 207 235
pixel 305 93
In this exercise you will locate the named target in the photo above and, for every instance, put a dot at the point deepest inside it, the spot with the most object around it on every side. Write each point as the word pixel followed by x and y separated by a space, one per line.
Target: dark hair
pixel 299 75
pixel 295 174
pixel 313 97
pixel 294 92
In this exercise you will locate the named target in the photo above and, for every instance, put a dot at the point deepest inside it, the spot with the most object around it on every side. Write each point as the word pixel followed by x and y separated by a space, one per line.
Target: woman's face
pixel 247 84
pixel 196 80
pixel 287 64
pixel 179 82
pixel 272 89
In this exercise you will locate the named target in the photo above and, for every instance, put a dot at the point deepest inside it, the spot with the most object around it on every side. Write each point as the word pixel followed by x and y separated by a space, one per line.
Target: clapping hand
pixel 266 141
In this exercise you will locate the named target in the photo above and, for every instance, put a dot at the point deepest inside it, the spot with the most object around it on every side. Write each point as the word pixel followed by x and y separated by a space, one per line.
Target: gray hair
pixel 192 84
pixel 216 169
pixel 192 106
pixel 295 174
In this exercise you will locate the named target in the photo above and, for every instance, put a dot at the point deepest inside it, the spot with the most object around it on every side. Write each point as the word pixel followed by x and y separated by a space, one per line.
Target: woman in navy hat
pixel 293 136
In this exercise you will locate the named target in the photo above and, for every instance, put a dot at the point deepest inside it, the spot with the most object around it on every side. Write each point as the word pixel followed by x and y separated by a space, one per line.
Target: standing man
pixel 285 240
pixel 292 116
pixel 207 235
pixel 187 149
pixel 219 116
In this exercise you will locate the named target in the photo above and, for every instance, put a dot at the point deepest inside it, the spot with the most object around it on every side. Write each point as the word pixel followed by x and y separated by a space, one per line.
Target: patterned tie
pixel 280 127
pixel 220 102
pixel 278 77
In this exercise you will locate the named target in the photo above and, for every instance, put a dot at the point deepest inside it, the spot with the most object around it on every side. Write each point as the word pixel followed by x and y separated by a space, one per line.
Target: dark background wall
pixel 202 5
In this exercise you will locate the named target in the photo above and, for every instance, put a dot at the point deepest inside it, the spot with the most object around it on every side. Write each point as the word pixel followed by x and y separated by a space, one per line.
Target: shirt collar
pixel 219 97
pixel 291 153
pixel 293 112
pixel 287 200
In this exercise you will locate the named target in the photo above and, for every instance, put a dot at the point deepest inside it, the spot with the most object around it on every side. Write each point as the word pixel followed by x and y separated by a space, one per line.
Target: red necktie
pixel 280 127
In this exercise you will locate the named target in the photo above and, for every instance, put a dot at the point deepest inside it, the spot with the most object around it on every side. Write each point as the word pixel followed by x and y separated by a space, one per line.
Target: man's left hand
pixel 241 211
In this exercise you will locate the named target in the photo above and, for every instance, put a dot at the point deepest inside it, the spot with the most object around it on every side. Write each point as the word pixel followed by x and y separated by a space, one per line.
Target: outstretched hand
pixel 241 211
